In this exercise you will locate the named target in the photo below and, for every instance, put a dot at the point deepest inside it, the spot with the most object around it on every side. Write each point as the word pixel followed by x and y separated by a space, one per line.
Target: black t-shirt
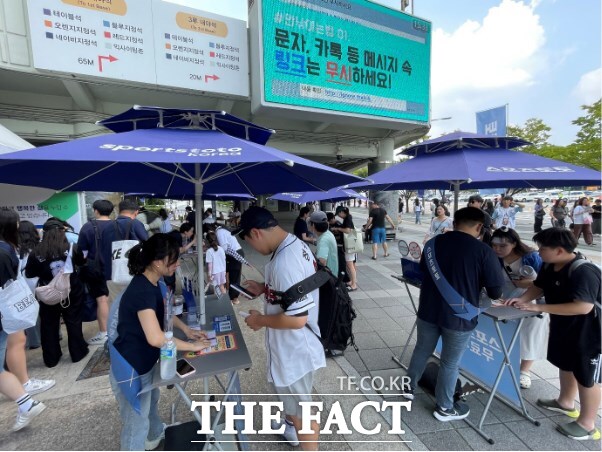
pixel 191 218
pixel 579 333
pixel 131 343
pixel 468 265
pixel 178 236
pixel 300 228
pixel 596 214
pixel 378 217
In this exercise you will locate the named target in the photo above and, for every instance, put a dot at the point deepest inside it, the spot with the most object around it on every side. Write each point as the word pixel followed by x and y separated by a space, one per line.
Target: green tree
pixel 586 148
pixel 361 172
pixel 535 131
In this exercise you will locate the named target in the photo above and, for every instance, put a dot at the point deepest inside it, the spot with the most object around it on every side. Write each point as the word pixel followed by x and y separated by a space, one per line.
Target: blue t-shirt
pixel 87 238
pixel 468 265
pixel 131 341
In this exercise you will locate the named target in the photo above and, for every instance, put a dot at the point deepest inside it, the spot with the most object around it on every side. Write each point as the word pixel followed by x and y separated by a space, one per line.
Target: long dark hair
pixel 9 219
pixel 511 236
pixel 163 214
pixel 212 240
pixel 54 244
pixel 158 247
pixel 29 237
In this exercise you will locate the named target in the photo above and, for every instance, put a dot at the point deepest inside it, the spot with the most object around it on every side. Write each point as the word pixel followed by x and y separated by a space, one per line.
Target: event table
pixel 211 365
pixel 494 340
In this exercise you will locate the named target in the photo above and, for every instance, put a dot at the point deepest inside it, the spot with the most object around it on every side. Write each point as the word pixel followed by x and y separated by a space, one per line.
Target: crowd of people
pixel 478 250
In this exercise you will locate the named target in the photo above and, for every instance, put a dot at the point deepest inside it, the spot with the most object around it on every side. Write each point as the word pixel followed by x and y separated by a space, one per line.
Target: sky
pixel 539 57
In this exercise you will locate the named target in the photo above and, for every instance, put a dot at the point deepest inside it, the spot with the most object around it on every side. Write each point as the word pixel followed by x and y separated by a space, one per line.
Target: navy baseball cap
pixel 254 218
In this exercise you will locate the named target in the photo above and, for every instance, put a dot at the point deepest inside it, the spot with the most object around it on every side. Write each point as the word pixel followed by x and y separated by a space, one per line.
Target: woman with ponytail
pixel 140 336
pixel 216 263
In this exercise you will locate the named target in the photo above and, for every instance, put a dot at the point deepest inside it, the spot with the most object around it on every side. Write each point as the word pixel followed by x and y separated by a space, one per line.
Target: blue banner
pixel 492 122
pixel 484 356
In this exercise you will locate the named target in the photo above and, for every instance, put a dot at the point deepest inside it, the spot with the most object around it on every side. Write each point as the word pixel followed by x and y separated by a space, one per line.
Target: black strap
pixel 96 241
pixel 127 230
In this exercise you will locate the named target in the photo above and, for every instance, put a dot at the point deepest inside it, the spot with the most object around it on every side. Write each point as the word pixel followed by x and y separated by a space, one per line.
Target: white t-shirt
pixel 225 238
pixel 580 214
pixel 217 258
pixel 291 354
pixel 504 216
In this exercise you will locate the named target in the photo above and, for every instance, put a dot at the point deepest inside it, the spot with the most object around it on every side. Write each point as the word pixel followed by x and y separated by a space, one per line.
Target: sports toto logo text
pixel 194 152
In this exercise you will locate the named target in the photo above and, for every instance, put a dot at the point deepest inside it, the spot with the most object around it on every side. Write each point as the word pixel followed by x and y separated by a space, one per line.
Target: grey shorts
pixel 290 396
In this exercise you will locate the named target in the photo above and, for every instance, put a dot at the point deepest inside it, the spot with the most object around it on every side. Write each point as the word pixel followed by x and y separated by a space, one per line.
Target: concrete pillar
pixel 388 200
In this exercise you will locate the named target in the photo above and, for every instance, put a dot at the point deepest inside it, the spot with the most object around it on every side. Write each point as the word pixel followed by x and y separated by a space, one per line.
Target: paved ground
pixel 82 415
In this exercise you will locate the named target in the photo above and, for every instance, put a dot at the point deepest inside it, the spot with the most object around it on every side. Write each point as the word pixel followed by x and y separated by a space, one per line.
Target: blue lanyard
pixel 462 308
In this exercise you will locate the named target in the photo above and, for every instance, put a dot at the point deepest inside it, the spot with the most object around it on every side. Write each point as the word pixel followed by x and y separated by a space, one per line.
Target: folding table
pixel 228 362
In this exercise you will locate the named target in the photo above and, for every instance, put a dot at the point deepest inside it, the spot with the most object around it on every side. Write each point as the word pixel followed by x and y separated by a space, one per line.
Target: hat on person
pixel 53 223
pixel 254 218
pixel 318 217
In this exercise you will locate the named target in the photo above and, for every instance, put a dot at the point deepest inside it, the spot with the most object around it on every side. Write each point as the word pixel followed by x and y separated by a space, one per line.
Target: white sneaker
pixel 153 443
pixel 290 434
pixel 23 419
pixel 99 339
pixel 35 386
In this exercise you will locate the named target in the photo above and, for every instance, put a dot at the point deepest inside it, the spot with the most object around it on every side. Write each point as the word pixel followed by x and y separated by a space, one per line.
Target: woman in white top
pixel 439 224
pixel 583 220
pixel 216 264
pixel 417 210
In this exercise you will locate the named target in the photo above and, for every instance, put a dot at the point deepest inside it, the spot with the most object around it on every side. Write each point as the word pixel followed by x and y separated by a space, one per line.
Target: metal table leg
pixel 506 365
pixel 405 347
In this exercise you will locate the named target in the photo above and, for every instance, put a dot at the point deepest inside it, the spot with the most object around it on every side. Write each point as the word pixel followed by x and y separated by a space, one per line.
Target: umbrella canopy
pixel 141 117
pixel 171 163
pixel 209 196
pixel 166 162
pixel 480 168
pixel 464 140
pixel 332 195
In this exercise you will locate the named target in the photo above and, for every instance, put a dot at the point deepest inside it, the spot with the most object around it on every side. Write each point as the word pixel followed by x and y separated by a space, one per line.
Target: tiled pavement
pixel 82 415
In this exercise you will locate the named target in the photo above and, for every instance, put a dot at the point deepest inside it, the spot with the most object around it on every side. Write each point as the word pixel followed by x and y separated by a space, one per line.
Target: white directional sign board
pixel 200 50
pixel 146 41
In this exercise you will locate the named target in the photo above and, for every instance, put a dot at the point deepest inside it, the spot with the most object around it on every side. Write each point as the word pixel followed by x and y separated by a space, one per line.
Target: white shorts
pixel 350 257
pixel 219 278
pixel 290 396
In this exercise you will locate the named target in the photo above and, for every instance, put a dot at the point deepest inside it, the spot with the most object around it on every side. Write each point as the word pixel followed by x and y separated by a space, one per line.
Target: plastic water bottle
pixel 168 357
pixel 527 272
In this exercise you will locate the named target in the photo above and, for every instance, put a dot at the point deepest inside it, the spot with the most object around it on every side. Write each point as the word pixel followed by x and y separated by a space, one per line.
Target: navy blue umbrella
pixel 332 195
pixel 143 117
pixel 467 168
pixel 170 162
pixel 464 140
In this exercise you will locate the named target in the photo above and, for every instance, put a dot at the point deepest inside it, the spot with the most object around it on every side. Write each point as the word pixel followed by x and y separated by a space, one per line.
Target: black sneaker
pixel 408 394
pixel 459 411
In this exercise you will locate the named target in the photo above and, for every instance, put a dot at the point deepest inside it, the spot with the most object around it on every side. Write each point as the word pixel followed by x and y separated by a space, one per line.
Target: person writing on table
pixel 140 337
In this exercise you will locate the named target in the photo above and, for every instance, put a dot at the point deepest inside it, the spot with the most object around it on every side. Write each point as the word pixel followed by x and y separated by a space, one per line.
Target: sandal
pixel 525 380
pixel 373 258
pixel 574 431
pixel 553 405
pixel 351 289
pixel 386 255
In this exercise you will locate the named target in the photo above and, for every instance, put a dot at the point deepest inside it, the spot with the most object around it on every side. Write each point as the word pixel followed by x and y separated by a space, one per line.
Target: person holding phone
pixel 140 336
pixel 294 350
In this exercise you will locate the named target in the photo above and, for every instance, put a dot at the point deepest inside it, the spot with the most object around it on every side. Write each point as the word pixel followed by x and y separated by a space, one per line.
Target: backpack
pixel 336 313
pixel 57 290
pixel 575 265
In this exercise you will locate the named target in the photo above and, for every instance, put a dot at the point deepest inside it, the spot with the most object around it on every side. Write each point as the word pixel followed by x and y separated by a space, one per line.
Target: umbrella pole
pixel 198 199
pixel 456 195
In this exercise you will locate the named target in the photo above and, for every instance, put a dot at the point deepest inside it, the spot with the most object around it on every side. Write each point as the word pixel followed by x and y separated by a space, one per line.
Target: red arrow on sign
pixel 213 77
pixel 111 58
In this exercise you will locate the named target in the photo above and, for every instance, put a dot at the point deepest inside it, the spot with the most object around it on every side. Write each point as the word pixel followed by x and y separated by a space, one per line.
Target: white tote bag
pixel 353 241
pixel 120 273
pixel 18 306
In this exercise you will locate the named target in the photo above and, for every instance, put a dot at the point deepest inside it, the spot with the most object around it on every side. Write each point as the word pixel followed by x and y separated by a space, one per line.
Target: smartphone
pixel 184 368
pixel 243 291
